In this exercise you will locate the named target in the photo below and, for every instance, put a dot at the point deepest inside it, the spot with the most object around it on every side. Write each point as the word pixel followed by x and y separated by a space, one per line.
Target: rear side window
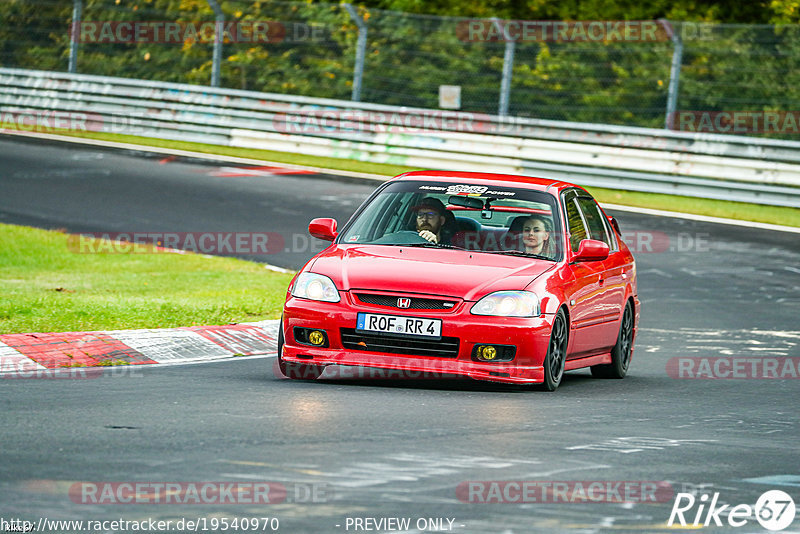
pixel 577 230
pixel 594 220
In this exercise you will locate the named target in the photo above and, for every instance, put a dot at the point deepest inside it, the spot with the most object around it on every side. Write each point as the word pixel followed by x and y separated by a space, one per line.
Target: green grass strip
pixel 47 286
pixel 700 206
pixel 254 153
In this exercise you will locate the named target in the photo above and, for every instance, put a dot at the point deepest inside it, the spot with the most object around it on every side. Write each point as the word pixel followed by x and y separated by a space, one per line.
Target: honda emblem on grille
pixel 403 303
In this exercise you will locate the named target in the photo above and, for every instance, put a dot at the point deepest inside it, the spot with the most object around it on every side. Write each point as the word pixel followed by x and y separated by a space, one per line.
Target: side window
pixel 577 231
pixel 613 245
pixel 594 220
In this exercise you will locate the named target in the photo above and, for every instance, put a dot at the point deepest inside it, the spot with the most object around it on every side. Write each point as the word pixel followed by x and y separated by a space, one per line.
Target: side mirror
pixel 591 250
pixel 323 229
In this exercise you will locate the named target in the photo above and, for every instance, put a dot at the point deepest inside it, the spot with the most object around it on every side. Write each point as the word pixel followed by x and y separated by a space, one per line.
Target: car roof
pixel 507 180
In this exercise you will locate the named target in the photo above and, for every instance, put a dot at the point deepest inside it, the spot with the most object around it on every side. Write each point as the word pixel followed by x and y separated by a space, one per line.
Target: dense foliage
pixel 409 55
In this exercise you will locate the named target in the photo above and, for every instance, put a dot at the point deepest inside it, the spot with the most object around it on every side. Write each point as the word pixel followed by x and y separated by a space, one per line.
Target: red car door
pixel 596 297
pixel 613 279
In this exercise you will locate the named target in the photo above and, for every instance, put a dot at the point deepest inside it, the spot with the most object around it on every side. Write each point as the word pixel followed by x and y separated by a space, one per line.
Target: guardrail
pixel 703 165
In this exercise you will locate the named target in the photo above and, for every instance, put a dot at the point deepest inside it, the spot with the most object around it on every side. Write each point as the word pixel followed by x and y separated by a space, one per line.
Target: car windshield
pixel 482 218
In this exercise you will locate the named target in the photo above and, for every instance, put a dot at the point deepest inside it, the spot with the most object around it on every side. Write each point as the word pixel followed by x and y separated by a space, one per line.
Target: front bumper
pixel 530 336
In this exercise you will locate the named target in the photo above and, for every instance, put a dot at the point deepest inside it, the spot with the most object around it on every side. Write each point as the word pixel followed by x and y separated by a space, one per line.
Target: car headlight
pixel 315 287
pixel 508 304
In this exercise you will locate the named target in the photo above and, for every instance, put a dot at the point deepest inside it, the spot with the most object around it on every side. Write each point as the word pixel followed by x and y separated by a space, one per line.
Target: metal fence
pixel 745 169
pixel 343 52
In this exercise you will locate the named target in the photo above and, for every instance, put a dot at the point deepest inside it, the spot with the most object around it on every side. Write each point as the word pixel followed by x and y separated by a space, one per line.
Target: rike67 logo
pixel 774 510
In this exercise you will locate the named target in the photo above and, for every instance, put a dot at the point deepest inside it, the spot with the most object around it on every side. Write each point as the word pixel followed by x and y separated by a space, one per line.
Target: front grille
pixel 446 347
pixel 416 302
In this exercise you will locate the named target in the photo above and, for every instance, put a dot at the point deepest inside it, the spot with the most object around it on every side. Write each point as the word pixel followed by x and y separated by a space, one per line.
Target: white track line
pixel 702 218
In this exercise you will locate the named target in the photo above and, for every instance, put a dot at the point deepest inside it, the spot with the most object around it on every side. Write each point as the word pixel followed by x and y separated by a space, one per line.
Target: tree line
pixel 736 55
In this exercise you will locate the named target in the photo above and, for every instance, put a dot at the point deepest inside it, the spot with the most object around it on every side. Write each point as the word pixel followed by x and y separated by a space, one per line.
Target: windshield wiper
pixel 519 253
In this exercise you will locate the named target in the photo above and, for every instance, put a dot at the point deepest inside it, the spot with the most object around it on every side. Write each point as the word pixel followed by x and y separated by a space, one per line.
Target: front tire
pixel 556 353
pixel 295 371
pixel 621 353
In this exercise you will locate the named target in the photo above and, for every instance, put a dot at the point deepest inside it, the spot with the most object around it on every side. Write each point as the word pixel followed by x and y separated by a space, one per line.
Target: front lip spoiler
pixel 436 366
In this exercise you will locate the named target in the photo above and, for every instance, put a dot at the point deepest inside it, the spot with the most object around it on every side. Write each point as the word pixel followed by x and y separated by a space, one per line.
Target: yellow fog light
pixel 487 353
pixel 316 338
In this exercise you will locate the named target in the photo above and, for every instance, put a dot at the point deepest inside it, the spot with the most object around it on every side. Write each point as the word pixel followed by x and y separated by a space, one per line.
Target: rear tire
pixel 295 371
pixel 621 353
pixel 556 353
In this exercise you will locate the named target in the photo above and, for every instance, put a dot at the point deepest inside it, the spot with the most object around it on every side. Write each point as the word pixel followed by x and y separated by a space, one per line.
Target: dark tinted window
pixel 595 220
pixel 577 231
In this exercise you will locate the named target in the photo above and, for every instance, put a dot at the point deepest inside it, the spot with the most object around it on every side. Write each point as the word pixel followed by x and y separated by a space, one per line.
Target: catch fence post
pixel 219 26
pixel 674 74
pixel 361 51
pixel 75 34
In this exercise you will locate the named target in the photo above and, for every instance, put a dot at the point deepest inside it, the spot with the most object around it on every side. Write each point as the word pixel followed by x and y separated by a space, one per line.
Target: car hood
pixel 447 272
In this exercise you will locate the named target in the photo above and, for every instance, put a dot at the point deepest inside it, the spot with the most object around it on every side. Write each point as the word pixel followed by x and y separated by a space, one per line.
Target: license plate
pixel 398 324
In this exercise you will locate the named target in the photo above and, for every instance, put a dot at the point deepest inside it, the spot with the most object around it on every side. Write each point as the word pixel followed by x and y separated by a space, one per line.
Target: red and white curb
pixel 28 353
pixel 231 172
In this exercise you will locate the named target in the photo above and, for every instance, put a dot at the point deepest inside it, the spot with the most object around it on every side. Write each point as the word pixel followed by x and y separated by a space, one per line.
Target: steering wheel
pixel 403 237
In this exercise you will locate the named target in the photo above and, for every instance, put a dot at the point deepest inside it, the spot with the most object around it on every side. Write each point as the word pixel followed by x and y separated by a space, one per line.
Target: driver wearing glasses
pixel 431 220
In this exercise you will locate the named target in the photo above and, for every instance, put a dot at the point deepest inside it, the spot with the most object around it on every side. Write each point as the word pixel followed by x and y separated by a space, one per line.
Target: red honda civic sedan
pixel 488 276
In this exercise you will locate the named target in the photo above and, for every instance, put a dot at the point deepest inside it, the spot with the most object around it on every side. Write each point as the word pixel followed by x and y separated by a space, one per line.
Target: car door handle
pixel 600 281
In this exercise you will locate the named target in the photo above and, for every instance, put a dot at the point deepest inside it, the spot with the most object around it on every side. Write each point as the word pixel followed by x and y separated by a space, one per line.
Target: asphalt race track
pixel 352 452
